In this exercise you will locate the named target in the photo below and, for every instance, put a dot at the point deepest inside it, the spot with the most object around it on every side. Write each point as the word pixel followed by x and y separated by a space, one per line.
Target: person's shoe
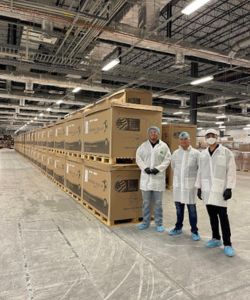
pixel 229 251
pixel 195 236
pixel 175 231
pixel 160 228
pixel 213 243
pixel 142 226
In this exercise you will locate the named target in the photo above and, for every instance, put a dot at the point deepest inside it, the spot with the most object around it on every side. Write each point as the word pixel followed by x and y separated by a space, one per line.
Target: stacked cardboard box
pixel 73 133
pixel 112 190
pixel 106 135
pixel 73 175
pixel 59 168
pixel 115 130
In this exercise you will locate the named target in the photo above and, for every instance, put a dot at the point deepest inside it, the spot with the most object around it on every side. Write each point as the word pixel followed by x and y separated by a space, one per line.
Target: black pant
pixel 214 212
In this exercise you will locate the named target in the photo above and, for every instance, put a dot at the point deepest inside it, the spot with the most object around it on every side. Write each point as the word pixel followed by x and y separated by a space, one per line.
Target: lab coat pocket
pixel 205 186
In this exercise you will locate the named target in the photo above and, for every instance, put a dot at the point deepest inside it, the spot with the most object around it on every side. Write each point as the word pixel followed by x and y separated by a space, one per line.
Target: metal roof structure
pixel 48 48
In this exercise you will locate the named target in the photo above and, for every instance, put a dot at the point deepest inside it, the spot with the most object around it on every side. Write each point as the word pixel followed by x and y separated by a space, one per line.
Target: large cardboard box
pixel 135 96
pixel 39 159
pixel 73 175
pixel 112 190
pixel 73 132
pixel 39 137
pixel 44 137
pixel 170 135
pixel 244 147
pixel 59 168
pixel 59 135
pixel 50 163
pixel 116 130
pixel 44 160
pixel 50 136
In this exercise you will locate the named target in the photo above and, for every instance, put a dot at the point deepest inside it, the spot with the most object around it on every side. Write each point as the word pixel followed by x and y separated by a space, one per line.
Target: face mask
pixel 211 141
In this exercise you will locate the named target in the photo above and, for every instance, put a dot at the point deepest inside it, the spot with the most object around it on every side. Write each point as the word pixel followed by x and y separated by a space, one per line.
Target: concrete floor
pixel 51 248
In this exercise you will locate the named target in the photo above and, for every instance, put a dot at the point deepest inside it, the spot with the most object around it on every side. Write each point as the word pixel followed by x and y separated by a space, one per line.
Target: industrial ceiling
pixel 50 48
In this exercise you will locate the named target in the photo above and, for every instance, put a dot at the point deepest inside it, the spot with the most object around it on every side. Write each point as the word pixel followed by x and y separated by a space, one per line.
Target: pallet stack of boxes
pixel 91 153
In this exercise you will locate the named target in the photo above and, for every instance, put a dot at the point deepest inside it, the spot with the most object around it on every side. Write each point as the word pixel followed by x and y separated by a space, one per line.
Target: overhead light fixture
pixel 48 109
pixel 76 89
pixel 219 123
pixel 246 128
pixel 178 113
pixel 31 121
pixel 35 118
pixel 111 64
pixel 186 120
pixel 221 117
pixel 248 125
pixel 193 6
pixel 202 80
pixel 199 128
pixel 41 115
pixel 59 101
pixel 222 126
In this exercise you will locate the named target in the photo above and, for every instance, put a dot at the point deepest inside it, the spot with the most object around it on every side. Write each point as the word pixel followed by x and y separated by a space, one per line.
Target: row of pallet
pixel 110 192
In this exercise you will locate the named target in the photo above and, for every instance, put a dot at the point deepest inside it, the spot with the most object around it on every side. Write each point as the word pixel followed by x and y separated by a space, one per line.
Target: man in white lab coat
pixel 215 181
pixel 184 163
pixel 153 157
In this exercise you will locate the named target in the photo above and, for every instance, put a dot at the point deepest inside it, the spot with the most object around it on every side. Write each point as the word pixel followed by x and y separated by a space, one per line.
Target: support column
pixel 193 96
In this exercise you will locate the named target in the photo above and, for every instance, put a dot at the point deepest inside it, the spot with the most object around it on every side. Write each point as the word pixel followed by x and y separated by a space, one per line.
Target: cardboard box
pixel 59 168
pixel 43 137
pixel 39 137
pixel 44 160
pixel 59 135
pixel 170 135
pixel 244 147
pixel 112 190
pixel 246 161
pixel 117 130
pixel 73 175
pixel 134 96
pixel 39 159
pixel 50 163
pixel 50 136
pixel 73 128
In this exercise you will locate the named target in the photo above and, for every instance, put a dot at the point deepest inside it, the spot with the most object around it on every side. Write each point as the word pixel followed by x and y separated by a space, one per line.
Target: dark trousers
pixel 215 213
pixel 180 207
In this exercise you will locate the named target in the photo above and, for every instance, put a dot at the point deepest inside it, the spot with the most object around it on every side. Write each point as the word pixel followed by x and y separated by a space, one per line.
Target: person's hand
pixel 154 171
pixel 199 194
pixel 227 194
pixel 148 171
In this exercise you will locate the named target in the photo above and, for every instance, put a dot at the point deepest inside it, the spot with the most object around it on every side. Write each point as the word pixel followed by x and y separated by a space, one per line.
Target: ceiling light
pixel 202 80
pixel 222 126
pixel 193 6
pixel 41 115
pixel 186 120
pixel 246 128
pixel 248 125
pixel 59 101
pixel 219 123
pixel 111 64
pixel 178 113
pixel 76 89
pixel 199 128
pixel 48 109
pixel 35 118
pixel 221 117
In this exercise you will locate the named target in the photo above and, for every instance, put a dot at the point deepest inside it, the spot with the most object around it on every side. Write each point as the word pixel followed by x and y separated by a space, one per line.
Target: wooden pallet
pixel 58 151
pixel 73 154
pixel 70 193
pixel 109 160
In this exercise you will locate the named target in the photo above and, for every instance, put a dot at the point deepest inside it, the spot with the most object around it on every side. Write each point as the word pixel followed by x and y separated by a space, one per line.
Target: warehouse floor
pixel 51 248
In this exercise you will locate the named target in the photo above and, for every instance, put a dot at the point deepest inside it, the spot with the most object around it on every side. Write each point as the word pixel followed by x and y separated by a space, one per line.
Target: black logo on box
pixel 128 124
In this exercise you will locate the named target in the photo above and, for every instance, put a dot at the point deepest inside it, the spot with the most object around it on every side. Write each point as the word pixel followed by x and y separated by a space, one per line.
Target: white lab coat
pixel 216 173
pixel 158 157
pixel 185 164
